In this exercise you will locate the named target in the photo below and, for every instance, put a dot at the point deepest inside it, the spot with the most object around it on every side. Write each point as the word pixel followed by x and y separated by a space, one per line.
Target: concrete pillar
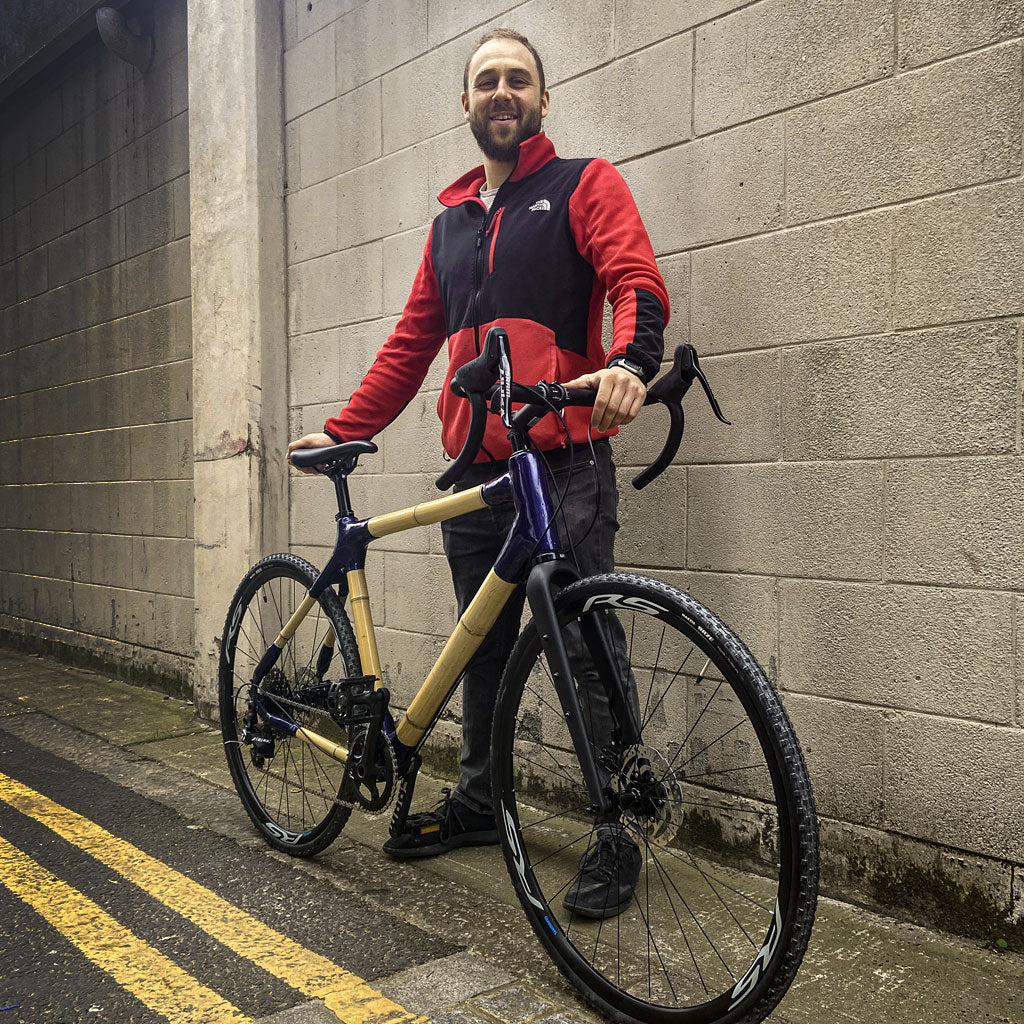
pixel 238 306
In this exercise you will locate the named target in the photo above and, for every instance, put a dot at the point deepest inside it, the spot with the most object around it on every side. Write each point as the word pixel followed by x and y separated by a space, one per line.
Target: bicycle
pixel 625 703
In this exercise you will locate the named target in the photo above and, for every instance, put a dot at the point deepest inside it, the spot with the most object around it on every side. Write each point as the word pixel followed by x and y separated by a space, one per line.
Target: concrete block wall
pixel 834 193
pixel 96 360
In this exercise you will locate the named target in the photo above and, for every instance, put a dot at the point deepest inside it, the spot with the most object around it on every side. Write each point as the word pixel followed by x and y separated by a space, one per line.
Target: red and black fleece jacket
pixel 560 237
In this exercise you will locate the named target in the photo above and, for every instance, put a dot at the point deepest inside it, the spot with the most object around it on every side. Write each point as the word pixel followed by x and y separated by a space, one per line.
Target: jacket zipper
pixel 494 241
pixel 482 231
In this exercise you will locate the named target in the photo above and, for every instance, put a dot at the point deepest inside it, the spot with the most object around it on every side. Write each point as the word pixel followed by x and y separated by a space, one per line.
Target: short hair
pixel 504 33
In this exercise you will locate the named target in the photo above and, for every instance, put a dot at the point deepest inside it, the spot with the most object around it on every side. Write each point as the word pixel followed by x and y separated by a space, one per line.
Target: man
pixel 533 243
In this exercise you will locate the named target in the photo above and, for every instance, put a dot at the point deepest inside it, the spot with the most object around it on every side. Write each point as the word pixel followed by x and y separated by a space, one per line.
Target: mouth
pixel 504 116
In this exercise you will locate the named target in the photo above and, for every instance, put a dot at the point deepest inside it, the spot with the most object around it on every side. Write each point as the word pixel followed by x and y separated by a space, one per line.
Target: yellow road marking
pixel 135 965
pixel 349 997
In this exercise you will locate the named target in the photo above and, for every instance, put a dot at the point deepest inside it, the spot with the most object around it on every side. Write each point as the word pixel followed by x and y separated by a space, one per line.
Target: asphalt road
pixel 57 926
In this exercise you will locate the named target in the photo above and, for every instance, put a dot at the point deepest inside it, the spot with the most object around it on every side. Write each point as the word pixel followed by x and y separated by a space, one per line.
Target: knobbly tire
pixel 716 798
pixel 289 789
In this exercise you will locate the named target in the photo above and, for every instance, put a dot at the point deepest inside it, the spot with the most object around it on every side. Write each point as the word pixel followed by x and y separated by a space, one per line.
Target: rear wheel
pixel 289 789
pixel 715 799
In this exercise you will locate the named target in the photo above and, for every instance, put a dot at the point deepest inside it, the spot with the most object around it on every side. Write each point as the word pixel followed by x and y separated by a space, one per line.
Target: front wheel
pixel 289 789
pixel 692 902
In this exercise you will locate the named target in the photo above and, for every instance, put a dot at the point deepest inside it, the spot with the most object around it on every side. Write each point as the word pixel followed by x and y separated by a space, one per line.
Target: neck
pixel 497 172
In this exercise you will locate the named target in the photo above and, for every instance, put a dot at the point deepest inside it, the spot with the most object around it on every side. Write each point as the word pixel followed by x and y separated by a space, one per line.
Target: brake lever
pixel 699 374
pixel 670 391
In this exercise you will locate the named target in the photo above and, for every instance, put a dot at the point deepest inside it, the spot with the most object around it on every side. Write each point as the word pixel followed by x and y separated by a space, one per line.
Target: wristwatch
pixel 628 364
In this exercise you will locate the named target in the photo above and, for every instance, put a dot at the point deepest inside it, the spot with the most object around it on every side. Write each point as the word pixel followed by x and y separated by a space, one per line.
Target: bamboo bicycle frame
pixel 531 535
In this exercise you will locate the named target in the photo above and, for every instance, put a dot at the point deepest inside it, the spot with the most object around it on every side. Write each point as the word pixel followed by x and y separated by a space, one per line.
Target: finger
pixel 605 390
pixel 635 405
pixel 630 402
pixel 613 402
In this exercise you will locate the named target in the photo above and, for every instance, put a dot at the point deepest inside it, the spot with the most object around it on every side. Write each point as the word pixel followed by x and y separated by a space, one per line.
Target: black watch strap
pixel 628 364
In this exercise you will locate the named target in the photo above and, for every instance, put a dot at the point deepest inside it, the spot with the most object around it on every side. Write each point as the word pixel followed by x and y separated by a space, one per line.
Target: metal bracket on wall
pixel 122 41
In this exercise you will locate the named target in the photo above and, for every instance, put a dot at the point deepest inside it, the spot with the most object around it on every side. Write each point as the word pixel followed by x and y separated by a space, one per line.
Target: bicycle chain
pixel 350 804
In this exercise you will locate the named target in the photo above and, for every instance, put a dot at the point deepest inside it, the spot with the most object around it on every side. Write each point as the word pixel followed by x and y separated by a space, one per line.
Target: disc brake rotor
pixel 650 795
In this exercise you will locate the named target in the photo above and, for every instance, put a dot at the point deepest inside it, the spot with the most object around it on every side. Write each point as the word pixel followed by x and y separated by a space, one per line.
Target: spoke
pixel 654 672
pixel 541 821
pixel 703 931
pixel 652 940
pixel 717 771
pixel 689 732
pixel 690 859
pixel 693 757
pixel 668 687
pixel 689 949
pixel 554 853
pixel 543 768
pixel 579 873
pixel 305 798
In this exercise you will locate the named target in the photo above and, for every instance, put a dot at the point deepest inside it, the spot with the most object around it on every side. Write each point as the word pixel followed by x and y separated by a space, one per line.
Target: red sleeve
pixel 401 365
pixel 611 236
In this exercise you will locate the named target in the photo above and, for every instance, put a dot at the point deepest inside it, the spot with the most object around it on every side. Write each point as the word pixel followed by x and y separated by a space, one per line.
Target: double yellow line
pixel 144 971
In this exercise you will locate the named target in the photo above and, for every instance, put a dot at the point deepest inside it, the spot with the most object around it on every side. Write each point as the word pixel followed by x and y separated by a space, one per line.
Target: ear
pixel 544 102
pixel 465 106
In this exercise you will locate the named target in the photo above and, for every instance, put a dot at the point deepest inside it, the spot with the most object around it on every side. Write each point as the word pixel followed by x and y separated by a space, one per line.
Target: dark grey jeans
pixel 472 543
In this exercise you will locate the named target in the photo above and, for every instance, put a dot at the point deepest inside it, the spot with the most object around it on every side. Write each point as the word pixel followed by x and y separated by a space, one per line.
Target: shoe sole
pixel 487 838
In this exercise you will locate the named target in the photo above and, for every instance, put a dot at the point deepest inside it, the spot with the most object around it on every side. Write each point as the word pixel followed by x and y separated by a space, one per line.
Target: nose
pixel 502 90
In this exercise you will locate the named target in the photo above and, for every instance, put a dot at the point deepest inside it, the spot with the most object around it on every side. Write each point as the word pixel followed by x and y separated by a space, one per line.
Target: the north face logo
pixel 541 204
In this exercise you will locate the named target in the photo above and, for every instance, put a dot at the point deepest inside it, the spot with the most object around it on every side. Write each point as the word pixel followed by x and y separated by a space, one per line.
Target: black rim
pixel 291 794
pixel 717 857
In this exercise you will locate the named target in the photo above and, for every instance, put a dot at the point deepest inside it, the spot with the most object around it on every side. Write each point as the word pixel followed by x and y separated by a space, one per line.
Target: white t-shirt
pixel 488 196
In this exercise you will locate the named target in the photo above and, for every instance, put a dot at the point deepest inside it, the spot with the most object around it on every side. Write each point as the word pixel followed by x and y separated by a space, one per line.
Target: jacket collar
pixel 534 153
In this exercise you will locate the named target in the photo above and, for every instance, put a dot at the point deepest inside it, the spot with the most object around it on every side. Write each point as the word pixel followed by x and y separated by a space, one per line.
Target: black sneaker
pixel 449 825
pixel 607 878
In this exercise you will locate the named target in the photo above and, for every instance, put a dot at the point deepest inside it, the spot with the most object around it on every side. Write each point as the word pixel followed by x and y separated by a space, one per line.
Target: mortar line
pixel 892 272
pixel 1020 386
pixel 845 581
pixel 949 58
pixel 875 705
pixel 103 430
pixel 98 586
pixel 785 168
pixel 1017 666
pixel 91 533
pixel 693 85
pixel 107 376
pixel 837 218
pixel 77 633
pixel 895 38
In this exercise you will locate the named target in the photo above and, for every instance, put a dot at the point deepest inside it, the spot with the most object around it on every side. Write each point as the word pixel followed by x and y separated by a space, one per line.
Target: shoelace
pixel 437 813
pixel 604 860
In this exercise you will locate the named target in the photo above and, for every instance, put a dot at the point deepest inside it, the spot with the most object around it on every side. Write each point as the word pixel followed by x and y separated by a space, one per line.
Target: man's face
pixel 505 104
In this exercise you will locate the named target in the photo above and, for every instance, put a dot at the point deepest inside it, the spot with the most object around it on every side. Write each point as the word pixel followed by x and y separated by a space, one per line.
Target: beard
pixel 503 149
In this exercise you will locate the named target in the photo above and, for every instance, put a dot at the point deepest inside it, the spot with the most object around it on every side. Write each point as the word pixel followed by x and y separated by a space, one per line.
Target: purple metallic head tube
pixel 533 532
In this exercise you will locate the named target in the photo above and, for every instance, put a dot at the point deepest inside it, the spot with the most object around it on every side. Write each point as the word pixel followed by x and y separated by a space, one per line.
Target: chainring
pixel 375 797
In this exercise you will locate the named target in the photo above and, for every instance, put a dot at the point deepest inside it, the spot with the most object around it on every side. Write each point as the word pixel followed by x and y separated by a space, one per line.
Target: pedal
pixel 405 790
pixel 354 701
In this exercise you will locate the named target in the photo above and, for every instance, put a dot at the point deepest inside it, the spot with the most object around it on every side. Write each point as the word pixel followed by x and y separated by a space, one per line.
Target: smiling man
pixel 535 244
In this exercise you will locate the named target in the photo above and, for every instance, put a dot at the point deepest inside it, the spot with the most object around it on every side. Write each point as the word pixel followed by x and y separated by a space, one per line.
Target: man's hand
pixel 620 396
pixel 311 441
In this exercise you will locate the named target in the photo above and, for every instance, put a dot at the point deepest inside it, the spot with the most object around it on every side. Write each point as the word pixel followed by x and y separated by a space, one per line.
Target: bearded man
pixel 534 244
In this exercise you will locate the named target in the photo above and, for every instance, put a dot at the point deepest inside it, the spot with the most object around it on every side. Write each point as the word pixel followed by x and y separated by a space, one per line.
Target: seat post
pixel 340 478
